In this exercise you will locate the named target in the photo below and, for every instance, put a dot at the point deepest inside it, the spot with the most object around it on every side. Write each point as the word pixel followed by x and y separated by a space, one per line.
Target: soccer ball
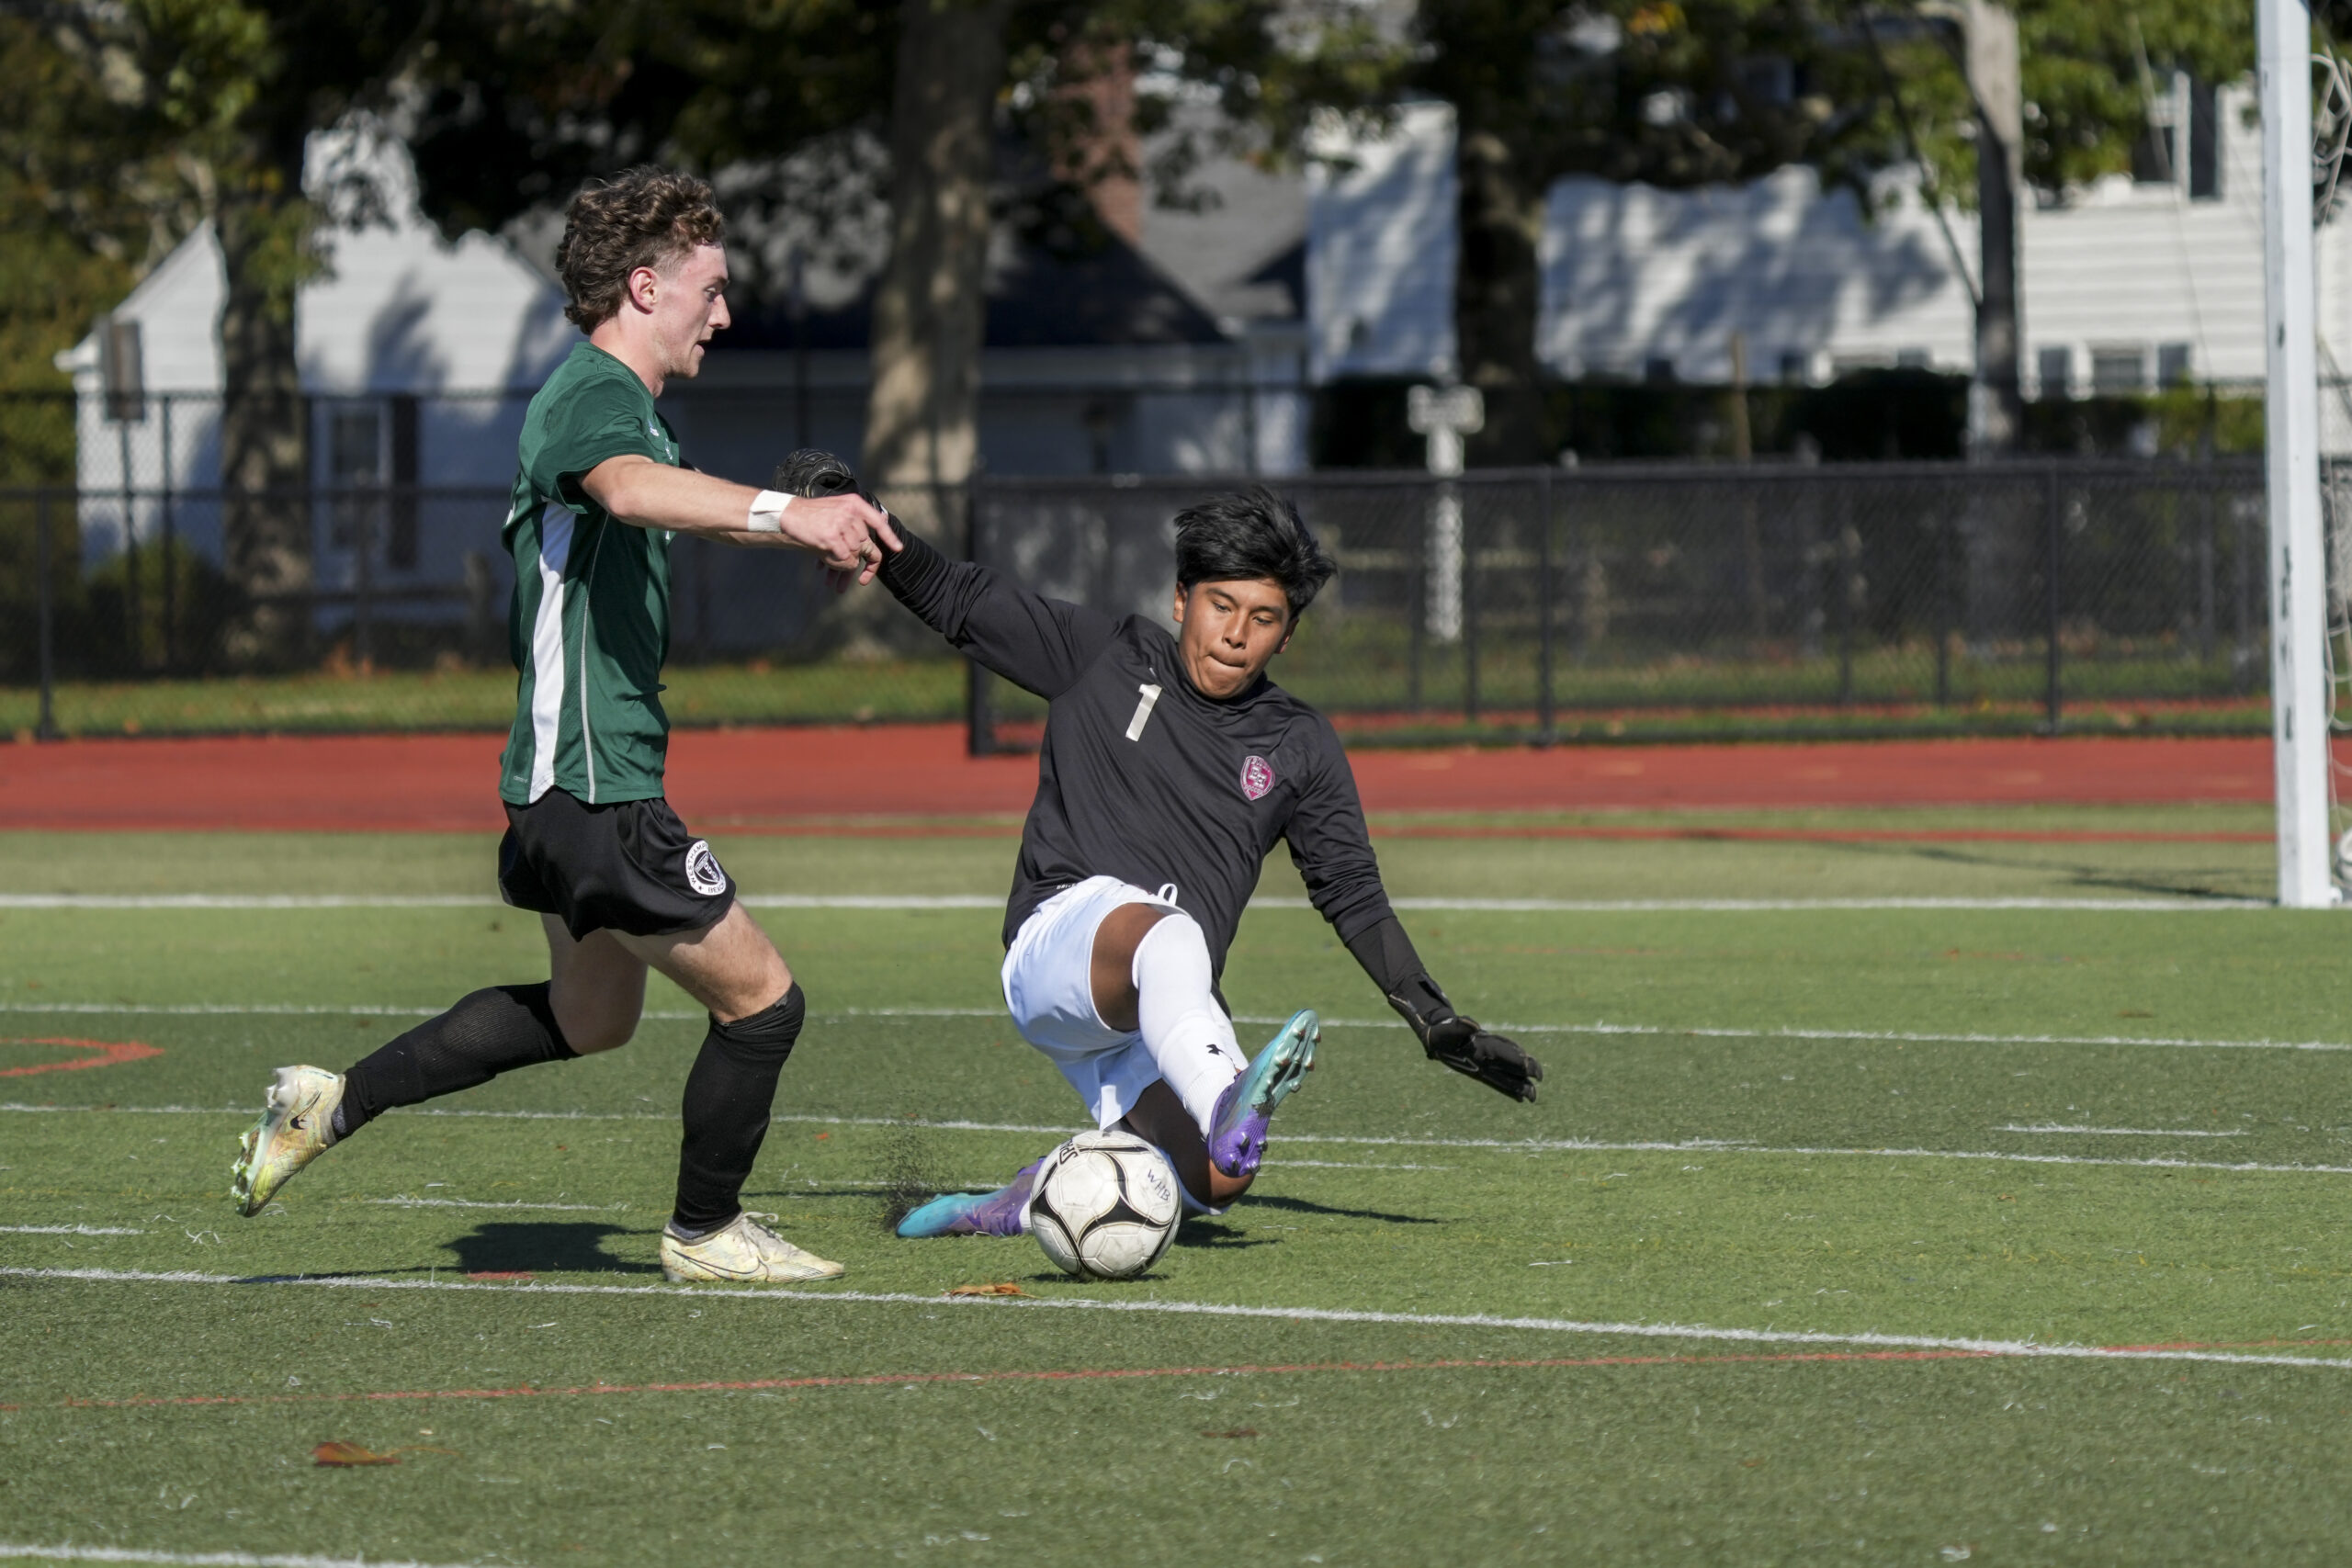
pixel 1104 1207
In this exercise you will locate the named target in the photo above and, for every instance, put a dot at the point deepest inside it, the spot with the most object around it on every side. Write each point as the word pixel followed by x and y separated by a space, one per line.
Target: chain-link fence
pixel 1603 601
pixel 1571 604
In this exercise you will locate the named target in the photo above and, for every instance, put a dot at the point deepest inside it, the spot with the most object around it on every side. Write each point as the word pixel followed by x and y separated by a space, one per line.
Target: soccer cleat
pixel 1237 1132
pixel 297 1125
pixel 974 1214
pixel 742 1252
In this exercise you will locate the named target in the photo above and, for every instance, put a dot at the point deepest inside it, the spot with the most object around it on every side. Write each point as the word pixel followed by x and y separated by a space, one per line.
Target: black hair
pixel 1248 535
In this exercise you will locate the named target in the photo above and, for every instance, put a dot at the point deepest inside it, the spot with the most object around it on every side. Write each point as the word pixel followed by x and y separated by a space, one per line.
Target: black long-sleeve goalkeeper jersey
pixel 1143 778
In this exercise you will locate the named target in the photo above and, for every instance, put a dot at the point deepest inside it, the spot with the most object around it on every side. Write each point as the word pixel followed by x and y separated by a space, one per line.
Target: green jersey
pixel 590 620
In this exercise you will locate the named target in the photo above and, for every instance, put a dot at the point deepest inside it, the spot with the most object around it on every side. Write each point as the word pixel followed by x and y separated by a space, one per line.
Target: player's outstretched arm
pixel 850 534
pixel 1039 644
pixel 1447 1036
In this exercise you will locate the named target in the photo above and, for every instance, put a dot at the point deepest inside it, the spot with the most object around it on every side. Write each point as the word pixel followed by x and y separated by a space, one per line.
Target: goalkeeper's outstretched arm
pixel 1039 644
pixel 1388 955
pixel 1332 850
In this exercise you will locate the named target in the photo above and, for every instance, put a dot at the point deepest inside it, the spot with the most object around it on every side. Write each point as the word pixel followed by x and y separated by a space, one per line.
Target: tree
pixel 1068 71
pixel 213 102
pixel 1678 92
pixel 2046 94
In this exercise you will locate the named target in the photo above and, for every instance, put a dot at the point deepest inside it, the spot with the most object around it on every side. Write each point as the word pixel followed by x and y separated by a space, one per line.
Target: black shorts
pixel 630 867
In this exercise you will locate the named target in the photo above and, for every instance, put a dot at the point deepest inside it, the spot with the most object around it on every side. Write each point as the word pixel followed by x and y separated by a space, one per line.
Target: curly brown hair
pixel 647 216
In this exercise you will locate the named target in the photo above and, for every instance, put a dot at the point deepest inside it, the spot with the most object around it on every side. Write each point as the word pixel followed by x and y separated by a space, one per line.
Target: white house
pixel 1167 350
pixel 2125 285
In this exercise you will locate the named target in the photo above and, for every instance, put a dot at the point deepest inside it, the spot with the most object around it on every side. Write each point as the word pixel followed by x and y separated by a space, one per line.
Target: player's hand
pixel 1493 1060
pixel 846 526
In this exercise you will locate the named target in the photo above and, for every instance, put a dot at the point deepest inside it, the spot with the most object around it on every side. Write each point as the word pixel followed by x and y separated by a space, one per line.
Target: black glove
pixel 1493 1060
pixel 1460 1044
pixel 813 473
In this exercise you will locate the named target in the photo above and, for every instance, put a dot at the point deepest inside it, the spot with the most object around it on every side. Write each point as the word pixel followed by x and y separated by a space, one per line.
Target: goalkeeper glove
pixel 1458 1042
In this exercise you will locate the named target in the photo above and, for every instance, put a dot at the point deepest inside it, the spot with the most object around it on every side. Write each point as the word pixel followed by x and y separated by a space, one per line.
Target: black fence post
pixel 1843 553
pixel 171 547
pixel 1469 571
pixel 1946 600
pixel 1418 605
pixel 2054 699
pixel 980 717
pixel 47 728
pixel 1545 725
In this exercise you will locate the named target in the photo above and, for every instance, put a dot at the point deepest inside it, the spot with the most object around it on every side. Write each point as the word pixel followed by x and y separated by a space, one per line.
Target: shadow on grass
pixel 544 1246
pixel 1301 1206
pixel 1209 1233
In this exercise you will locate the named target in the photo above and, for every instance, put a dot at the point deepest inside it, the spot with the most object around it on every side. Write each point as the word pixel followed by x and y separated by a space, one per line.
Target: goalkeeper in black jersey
pixel 1169 768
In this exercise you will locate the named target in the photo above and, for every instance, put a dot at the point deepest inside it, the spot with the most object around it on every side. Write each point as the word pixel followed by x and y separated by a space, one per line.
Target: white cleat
pixel 743 1252
pixel 297 1125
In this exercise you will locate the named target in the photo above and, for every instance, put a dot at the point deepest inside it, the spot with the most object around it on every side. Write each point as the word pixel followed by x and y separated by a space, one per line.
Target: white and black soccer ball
pixel 1105 1206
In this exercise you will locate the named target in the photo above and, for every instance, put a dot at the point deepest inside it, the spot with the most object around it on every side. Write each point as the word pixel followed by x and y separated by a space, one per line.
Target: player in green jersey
pixel 619 883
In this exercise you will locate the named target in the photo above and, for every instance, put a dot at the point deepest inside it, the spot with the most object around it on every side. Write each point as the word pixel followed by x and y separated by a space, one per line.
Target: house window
pixel 371 464
pixel 2204 143
pixel 2173 367
pixel 400 539
pixel 1796 368
pixel 2119 371
pixel 1659 371
pixel 2054 368
pixel 2157 151
pixel 1912 359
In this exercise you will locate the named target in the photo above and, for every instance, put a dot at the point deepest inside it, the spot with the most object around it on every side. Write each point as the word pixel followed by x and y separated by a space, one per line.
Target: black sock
pixel 728 1095
pixel 485 1034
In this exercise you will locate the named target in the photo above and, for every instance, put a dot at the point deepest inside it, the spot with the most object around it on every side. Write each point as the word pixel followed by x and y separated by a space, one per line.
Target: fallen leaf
pixel 1006 1288
pixel 343 1454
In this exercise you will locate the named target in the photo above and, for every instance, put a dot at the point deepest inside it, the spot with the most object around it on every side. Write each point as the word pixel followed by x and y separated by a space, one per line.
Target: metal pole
pixel 171 532
pixel 47 728
pixel 2299 696
pixel 1546 722
pixel 2053 699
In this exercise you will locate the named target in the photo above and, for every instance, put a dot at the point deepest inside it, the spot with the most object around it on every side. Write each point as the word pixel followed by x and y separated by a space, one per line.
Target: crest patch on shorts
pixel 703 873
pixel 1257 777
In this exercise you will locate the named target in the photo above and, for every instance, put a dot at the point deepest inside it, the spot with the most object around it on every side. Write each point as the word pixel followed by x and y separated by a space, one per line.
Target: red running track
pixel 788 779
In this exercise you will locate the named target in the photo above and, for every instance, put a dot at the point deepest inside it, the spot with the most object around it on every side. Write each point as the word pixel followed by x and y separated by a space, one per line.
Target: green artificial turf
pixel 1942 1126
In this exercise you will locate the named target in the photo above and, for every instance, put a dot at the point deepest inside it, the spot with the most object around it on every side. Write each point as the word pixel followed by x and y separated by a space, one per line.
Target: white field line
pixel 1865 1340
pixel 404 1202
pixel 70 1553
pixel 2120 1131
pixel 1600 1029
pixel 1502 1145
pixel 917 901
pixel 70 1230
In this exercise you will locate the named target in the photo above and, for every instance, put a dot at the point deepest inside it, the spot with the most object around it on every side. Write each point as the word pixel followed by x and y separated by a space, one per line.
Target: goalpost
pixel 2300 690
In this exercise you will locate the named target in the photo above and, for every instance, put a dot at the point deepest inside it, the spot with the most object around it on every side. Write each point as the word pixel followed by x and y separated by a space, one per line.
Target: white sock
pixel 1187 1033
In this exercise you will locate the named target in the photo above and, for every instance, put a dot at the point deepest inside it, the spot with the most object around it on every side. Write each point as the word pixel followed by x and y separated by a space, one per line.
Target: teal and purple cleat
pixel 974 1214
pixel 1238 1135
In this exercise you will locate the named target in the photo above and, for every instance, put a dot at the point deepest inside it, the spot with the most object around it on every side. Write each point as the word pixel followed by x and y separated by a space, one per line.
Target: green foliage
pixel 2089 69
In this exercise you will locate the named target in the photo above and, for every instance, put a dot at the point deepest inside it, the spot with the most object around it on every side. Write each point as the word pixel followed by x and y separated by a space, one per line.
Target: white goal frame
pixel 2300 696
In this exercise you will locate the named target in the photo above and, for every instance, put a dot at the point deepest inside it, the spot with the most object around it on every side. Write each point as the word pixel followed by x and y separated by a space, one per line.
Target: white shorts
pixel 1049 986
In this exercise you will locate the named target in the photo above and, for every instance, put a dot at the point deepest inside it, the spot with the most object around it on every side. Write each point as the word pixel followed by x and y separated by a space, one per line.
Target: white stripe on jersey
pixel 546 646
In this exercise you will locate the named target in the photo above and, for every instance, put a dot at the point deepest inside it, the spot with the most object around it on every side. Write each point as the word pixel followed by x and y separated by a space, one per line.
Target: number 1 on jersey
pixel 1143 712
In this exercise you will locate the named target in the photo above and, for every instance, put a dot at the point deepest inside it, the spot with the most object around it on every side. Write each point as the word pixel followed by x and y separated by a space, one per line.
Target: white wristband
pixel 767 513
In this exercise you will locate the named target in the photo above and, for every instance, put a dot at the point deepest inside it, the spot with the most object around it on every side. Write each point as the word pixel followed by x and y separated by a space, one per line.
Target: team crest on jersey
pixel 703 873
pixel 1257 777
